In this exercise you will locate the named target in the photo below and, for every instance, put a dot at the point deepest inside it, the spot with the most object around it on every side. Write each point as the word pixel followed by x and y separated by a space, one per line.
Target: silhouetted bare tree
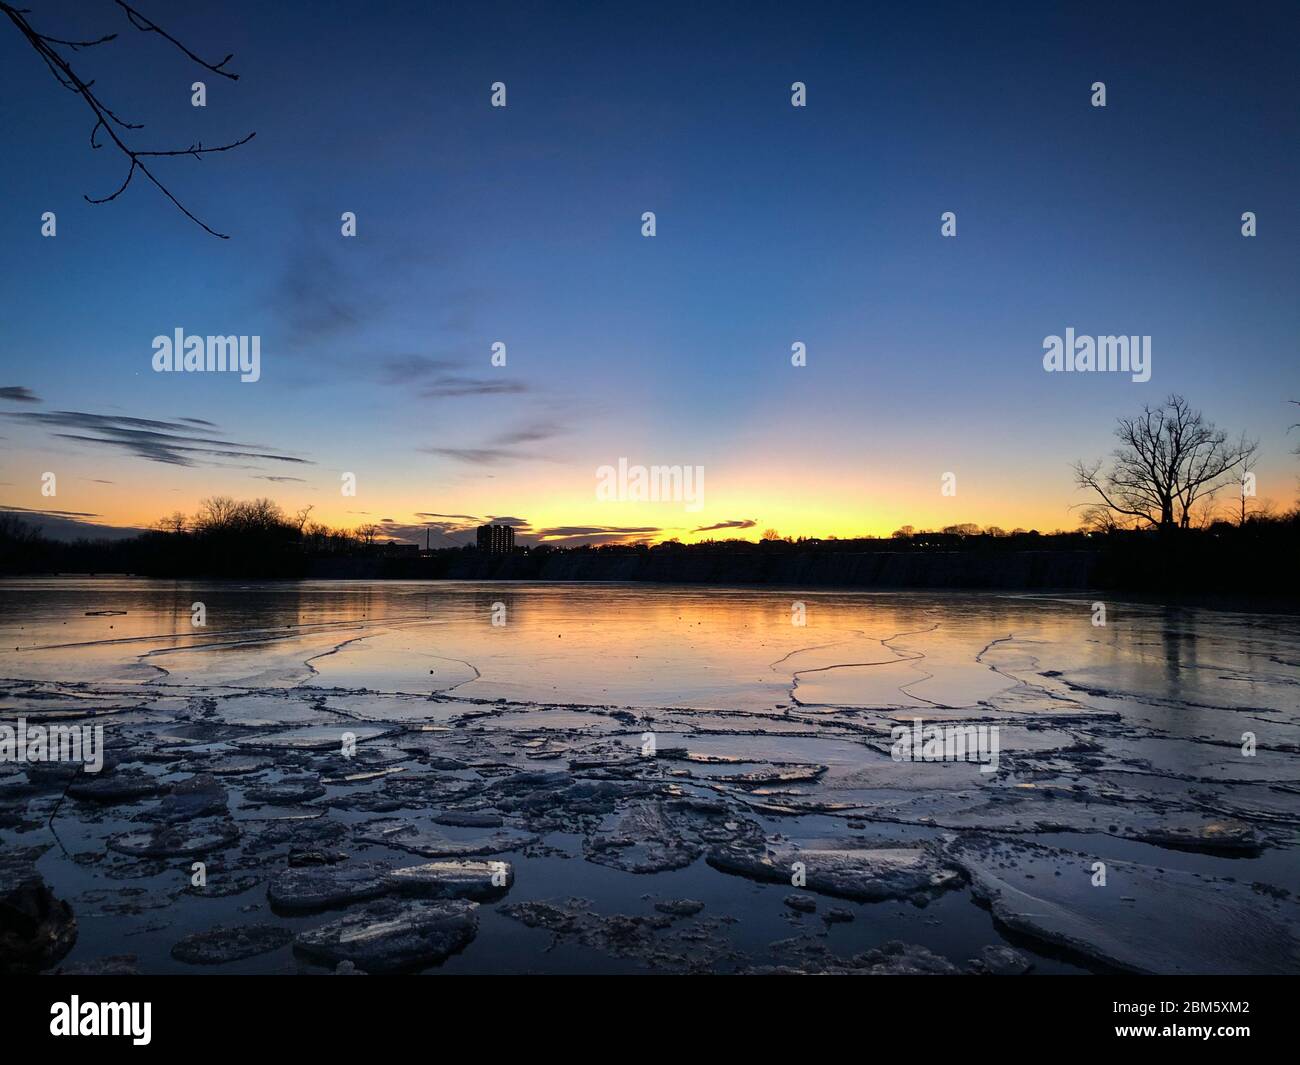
pixel 175 522
pixel 48 48
pixel 1169 458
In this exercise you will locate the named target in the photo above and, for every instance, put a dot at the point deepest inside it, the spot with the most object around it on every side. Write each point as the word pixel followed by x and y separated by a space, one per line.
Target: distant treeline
pixel 1256 559
pixel 1257 556
pixel 226 538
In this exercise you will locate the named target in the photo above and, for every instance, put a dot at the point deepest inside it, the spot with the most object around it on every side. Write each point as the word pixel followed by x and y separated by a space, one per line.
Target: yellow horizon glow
pixel 793 502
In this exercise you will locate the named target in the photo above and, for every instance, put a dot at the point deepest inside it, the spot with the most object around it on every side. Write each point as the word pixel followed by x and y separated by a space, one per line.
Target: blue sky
pixel 775 224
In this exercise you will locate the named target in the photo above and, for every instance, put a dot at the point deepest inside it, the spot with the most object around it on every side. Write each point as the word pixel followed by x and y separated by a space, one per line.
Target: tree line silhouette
pixel 1161 520
pixel 257 540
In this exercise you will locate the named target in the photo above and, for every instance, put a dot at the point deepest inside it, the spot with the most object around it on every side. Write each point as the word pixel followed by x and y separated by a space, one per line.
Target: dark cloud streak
pixel 172 443
pixel 19 394
pixel 744 523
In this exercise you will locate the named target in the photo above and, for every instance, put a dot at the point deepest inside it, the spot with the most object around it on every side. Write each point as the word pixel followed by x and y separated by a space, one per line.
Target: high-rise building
pixel 496 539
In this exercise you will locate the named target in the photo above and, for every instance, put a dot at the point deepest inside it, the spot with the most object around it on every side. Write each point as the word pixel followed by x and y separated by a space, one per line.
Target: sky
pixel 522 225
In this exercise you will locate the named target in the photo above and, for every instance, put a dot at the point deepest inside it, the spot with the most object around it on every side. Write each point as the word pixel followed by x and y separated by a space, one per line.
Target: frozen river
pixel 592 777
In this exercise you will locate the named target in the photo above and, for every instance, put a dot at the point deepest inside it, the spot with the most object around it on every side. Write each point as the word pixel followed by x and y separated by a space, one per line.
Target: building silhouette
pixel 496 539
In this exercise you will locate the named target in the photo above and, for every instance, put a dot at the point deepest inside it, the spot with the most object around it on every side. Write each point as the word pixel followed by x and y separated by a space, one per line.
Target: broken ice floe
pixel 848 870
pixel 1144 919
pixel 390 936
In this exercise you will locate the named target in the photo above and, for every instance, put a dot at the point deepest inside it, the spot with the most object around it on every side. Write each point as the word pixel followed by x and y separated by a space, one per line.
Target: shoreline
pixel 1241 603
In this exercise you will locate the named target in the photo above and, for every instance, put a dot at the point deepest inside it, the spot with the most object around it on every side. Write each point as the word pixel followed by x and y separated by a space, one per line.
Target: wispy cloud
pixel 483 456
pixel 504 447
pixel 318 295
pixel 452 385
pixel 532 433
pixel 444 378
pixel 330 293
pixel 68 524
pixel 173 443
pixel 574 535
pixel 53 513
pixel 740 523
pixel 18 394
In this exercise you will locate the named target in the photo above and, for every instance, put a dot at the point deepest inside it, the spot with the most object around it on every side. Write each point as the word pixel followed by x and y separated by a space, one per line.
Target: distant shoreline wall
pixel 880 569
pixel 867 569
pixel 1193 566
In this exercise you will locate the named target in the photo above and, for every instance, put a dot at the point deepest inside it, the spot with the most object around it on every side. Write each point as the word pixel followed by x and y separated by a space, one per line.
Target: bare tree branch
pixel 46 47
pixel 145 26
